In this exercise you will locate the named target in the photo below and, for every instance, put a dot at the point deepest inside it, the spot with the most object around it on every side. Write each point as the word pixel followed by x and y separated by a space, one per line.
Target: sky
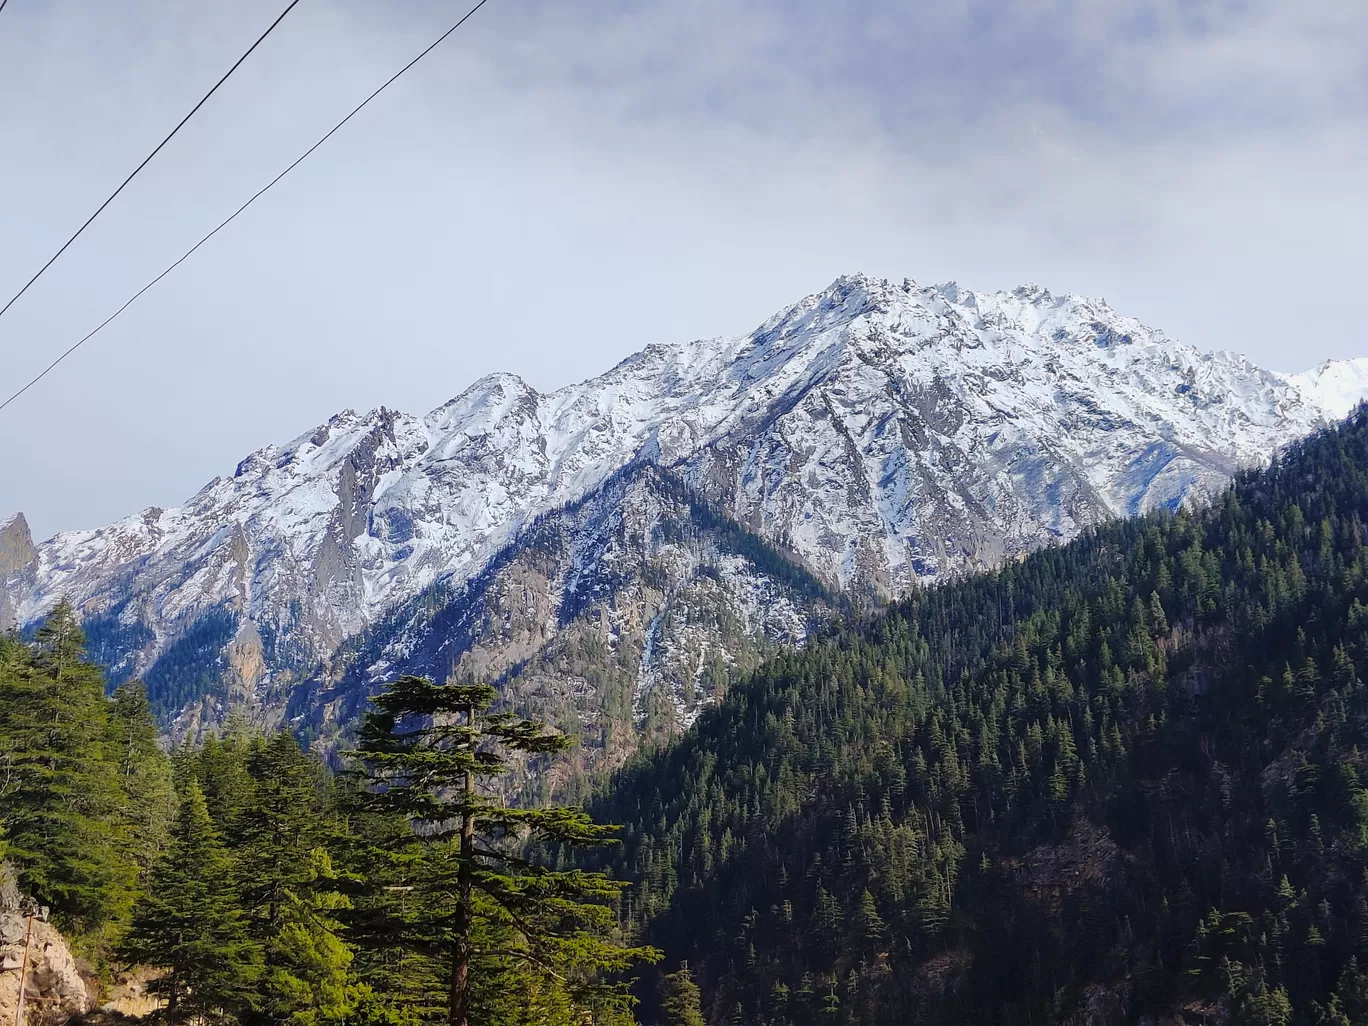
pixel 561 184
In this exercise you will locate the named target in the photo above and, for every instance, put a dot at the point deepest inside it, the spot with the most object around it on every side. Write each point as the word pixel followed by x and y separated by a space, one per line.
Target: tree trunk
pixel 460 981
pixel 460 960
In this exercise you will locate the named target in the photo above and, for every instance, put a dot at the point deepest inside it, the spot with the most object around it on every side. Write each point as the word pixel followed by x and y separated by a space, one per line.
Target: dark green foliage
pixel 192 667
pixel 680 999
pixel 244 903
pixel 220 766
pixel 113 643
pixel 278 825
pixel 63 811
pixel 274 806
pixel 144 773
pixel 282 834
pixel 474 918
pixel 191 923
pixel 1124 773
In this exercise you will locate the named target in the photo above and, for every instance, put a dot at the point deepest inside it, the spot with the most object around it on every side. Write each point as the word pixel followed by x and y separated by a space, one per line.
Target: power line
pixel 148 159
pixel 256 196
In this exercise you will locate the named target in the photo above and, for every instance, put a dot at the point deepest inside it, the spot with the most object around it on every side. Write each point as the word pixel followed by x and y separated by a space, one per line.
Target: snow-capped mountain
pixel 874 434
pixel 1336 386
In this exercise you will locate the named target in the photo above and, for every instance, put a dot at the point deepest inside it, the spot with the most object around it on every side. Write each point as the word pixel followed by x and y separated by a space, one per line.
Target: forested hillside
pixel 1121 778
pixel 250 885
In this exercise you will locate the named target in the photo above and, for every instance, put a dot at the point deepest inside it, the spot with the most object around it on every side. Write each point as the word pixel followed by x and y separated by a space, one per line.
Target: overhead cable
pixel 148 159
pixel 233 216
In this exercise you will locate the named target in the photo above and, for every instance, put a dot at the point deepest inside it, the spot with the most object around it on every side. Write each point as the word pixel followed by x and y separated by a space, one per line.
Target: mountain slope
pixel 616 617
pixel 884 434
pixel 1119 781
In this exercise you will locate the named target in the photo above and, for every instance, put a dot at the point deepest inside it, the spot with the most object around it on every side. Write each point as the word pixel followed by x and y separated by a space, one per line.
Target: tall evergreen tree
pixel 290 890
pixel 149 793
pixel 681 1000
pixel 190 922
pixel 220 766
pixel 870 926
pixel 470 891
pixel 64 795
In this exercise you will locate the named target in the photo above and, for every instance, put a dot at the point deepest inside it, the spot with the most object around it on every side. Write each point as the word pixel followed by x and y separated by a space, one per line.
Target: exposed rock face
pixel 36 951
pixel 9 889
pixel 18 562
pixel 17 553
pixel 881 434
pixel 1084 860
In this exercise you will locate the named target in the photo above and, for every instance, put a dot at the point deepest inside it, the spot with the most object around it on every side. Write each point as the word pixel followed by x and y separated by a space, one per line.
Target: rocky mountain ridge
pixel 870 437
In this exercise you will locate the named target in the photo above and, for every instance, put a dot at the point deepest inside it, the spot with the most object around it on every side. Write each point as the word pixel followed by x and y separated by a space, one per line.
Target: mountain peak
pixel 886 434
pixel 1336 385
pixel 499 389
pixel 1032 292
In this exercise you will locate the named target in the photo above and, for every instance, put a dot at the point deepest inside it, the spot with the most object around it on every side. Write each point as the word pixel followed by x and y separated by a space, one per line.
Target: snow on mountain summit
pixel 1337 386
pixel 889 433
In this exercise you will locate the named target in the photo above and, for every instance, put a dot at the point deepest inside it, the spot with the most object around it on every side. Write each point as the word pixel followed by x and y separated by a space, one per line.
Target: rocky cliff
pixel 33 950
pixel 18 562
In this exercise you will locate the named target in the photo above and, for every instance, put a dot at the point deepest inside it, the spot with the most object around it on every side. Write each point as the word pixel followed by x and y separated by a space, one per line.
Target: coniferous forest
pixel 1122 780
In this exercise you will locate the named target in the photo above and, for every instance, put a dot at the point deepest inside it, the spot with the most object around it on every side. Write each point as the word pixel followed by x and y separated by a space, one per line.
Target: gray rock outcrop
pixel 33 950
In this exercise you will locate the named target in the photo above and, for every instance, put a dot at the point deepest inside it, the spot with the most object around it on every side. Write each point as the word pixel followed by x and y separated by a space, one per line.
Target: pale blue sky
pixel 564 183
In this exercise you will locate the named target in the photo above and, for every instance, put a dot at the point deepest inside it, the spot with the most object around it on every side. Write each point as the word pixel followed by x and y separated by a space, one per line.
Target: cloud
pixel 563 183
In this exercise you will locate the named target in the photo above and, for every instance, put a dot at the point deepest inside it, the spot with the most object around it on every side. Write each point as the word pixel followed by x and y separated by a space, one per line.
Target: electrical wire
pixel 257 195
pixel 148 159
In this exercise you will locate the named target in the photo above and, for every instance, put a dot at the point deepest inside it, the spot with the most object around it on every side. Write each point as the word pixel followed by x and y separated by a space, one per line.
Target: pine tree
pixel 280 822
pixel 60 813
pixel 680 999
pixel 220 768
pixel 870 925
pixel 470 892
pixel 190 923
pixel 290 890
pixel 826 915
pixel 59 643
pixel 149 793
pixel 1159 625
pixel 306 979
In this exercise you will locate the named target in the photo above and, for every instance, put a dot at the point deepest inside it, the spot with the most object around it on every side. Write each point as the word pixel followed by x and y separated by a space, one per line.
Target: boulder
pixel 53 987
